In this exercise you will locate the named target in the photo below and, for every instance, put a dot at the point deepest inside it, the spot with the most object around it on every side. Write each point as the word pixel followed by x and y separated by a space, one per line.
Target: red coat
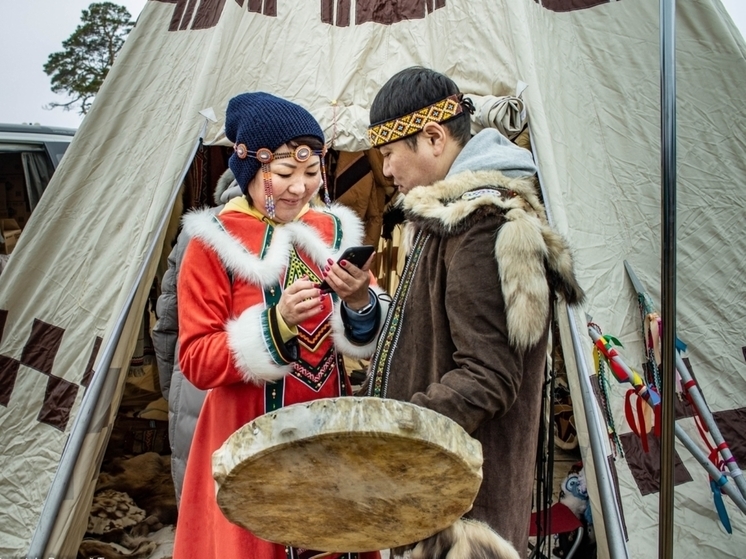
pixel 233 270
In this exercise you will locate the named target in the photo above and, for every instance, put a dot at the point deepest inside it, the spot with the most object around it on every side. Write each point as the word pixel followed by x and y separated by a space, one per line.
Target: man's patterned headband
pixel 408 125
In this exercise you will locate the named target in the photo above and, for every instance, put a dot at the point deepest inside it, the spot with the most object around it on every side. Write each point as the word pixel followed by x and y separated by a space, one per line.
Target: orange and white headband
pixel 408 125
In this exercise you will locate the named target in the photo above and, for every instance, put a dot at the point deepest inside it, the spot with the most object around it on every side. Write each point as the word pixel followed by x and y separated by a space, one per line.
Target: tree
pixel 81 68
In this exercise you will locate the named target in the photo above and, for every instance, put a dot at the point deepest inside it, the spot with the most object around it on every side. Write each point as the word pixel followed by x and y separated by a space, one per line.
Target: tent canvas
pixel 91 248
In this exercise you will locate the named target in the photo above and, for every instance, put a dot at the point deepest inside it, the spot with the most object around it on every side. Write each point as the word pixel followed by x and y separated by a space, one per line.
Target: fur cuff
pixel 250 342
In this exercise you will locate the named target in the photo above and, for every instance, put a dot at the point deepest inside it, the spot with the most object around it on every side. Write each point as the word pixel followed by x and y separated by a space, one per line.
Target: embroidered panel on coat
pixel 316 359
pixel 380 364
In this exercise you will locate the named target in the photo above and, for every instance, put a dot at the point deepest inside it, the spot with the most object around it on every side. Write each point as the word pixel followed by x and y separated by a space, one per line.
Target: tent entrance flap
pixel 612 516
pixel 63 475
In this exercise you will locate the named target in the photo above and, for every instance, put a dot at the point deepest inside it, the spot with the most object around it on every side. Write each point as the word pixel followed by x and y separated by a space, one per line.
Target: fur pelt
pixel 128 548
pixel 113 511
pixel 134 497
pixel 533 260
pixel 147 479
pixel 464 539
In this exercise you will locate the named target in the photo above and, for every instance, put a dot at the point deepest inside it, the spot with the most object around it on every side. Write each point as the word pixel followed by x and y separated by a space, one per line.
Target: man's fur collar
pixel 531 257
pixel 451 206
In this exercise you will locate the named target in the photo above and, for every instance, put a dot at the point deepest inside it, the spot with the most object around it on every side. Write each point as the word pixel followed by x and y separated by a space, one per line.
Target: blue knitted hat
pixel 260 120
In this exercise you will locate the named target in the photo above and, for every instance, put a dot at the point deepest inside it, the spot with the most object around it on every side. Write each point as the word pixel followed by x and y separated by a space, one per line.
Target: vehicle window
pixel 56 150
pixel 29 155
pixel 23 176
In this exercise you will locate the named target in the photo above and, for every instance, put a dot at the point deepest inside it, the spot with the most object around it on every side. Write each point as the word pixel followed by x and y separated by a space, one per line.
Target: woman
pixel 254 329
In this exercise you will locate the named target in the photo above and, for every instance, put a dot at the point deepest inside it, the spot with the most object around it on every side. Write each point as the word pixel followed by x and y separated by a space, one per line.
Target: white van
pixel 29 154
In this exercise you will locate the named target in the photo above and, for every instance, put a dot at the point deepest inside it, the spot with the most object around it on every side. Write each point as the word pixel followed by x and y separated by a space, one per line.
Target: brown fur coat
pixel 467 331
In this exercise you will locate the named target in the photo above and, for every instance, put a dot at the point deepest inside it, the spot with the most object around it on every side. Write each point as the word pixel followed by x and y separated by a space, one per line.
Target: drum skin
pixel 347 474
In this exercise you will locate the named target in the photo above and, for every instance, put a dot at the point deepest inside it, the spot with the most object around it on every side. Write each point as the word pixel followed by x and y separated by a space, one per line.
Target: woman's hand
pixel 300 301
pixel 349 282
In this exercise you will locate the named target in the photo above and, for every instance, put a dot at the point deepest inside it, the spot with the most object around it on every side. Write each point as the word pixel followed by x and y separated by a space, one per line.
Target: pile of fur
pixel 464 539
pixel 134 498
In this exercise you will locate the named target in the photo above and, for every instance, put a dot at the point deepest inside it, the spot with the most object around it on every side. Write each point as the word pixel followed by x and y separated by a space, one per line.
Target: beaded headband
pixel 401 127
pixel 265 156
pixel 301 154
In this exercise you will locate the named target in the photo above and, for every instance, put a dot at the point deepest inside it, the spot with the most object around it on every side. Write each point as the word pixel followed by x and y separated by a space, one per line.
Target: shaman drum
pixel 347 474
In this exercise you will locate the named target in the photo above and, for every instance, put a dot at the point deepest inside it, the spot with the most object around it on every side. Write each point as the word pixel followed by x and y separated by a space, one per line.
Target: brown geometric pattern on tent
pixel 384 12
pixel 39 354
pixel 264 7
pixel 195 14
pixel 205 14
pixel 570 5
pixel 645 467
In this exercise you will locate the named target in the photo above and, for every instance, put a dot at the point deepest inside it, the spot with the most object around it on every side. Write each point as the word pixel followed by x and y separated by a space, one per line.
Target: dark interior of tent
pixel 135 510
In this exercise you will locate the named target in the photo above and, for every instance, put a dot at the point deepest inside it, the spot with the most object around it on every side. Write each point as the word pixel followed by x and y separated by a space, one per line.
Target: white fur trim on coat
pixel 464 539
pixel 246 336
pixel 265 271
pixel 252 357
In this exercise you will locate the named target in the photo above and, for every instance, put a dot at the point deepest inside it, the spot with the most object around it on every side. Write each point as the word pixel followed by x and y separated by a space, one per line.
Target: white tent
pixel 86 259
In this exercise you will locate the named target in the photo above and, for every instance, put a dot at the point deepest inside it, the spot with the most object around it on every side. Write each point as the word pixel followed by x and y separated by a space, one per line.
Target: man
pixel 466 333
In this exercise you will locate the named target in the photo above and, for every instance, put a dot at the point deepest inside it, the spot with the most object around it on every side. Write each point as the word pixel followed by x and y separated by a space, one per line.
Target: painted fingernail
pixel 330 261
pixel 343 263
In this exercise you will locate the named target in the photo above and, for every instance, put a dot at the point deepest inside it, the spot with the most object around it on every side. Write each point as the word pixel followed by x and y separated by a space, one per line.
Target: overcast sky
pixel 31 30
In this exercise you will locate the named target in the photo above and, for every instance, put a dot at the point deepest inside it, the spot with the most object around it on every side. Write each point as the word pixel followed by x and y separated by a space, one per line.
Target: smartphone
pixel 354 255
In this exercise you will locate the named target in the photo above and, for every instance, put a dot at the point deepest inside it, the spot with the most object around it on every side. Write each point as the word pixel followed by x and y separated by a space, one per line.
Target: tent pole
pixel 698 453
pixel 706 415
pixel 694 392
pixel 614 529
pixel 612 516
pixel 668 275
pixel 61 482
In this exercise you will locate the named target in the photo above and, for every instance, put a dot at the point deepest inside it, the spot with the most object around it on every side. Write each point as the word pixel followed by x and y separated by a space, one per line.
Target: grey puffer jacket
pixel 184 400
